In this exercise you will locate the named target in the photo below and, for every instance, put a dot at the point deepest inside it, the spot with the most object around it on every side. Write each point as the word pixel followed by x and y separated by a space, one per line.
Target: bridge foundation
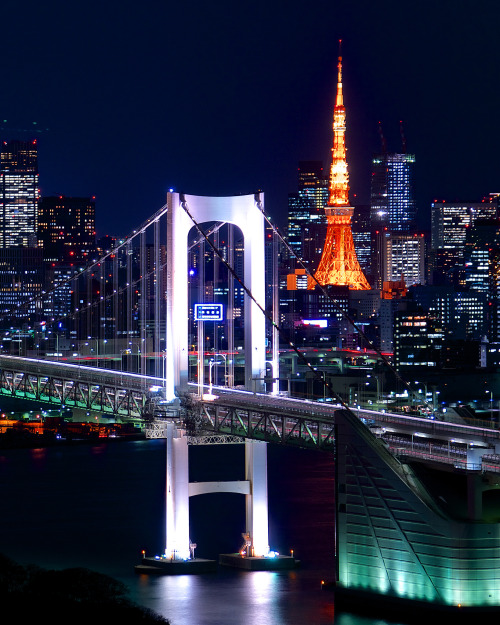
pixel 178 491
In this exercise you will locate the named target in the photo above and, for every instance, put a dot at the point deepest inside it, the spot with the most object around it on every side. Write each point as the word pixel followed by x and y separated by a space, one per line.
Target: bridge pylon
pixel 245 212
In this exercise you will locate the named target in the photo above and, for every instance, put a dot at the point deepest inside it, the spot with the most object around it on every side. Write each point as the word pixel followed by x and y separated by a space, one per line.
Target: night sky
pixel 219 98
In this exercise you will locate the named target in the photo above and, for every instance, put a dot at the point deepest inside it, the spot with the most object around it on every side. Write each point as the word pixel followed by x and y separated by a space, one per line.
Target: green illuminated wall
pixel 393 538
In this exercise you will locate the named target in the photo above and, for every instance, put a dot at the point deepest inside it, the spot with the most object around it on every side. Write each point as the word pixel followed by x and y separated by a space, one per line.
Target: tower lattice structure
pixel 339 265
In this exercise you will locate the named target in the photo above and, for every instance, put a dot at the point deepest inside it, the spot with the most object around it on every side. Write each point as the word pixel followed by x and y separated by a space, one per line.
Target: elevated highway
pixel 248 415
pixel 311 424
pixel 76 386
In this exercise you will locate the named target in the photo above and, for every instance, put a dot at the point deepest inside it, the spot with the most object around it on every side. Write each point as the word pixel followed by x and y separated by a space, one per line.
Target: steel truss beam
pixel 112 399
pixel 264 425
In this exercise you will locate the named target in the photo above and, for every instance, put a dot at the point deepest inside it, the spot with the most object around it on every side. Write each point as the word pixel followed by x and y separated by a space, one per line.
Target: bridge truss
pixel 72 386
pixel 264 424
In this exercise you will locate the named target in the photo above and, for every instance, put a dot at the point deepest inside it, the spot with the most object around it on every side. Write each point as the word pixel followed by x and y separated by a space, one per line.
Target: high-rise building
pixel 339 265
pixel 306 217
pixel 450 223
pixel 19 193
pixel 58 300
pixel 21 282
pixel 392 204
pixel 463 314
pixel 392 195
pixel 418 341
pixel 66 228
pixel 482 267
pixel 361 235
pixel 403 255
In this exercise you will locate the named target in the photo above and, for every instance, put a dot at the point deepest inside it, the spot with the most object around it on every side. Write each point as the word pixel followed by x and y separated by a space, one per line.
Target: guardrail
pixel 76 386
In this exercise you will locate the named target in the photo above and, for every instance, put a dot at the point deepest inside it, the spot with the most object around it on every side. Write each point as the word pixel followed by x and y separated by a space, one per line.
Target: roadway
pixel 310 423
pixel 244 413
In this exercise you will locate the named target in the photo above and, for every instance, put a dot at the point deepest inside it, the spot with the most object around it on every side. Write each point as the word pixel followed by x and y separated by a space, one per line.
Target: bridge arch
pixel 245 212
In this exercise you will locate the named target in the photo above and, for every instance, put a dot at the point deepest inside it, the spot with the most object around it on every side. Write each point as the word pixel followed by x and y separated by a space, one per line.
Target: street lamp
pixel 210 365
pixel 225 367
pixel 212 362
pixel 491 403
pixel 377 382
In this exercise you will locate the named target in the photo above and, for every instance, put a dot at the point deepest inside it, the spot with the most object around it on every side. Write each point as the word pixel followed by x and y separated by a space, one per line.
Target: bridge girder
pixel 72 393
pixel 264 425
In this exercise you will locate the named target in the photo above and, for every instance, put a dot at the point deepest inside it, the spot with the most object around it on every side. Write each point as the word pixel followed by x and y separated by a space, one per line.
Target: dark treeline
pixel 76 596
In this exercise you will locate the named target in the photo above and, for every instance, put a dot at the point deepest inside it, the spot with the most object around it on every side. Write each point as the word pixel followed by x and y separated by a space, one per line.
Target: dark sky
pixel 218 98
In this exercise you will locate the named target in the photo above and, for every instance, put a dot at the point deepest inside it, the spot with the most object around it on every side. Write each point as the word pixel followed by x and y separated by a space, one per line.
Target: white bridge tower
pixel 245 212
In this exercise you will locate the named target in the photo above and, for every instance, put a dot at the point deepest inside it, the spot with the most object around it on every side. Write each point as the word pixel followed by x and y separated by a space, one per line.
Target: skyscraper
pixel 19 193
pixel 306 215
pixel 450 223
pixel 392 200
pixel 361 234
pixel 403 255
pixel 21 282
pixel 418 340
pixel 339 265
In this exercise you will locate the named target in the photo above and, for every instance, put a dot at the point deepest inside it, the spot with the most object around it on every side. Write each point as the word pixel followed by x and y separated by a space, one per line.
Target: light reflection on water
pixel 233 597
pixel 98 506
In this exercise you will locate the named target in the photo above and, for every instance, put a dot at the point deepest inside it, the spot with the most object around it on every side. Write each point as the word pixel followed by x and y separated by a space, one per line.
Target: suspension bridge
pixel 126 336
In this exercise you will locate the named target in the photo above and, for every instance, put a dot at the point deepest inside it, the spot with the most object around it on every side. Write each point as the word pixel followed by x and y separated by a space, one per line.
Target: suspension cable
pixel 320 376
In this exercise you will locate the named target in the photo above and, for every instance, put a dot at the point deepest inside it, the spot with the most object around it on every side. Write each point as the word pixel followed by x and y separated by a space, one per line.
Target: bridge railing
pixel 458 463
pixel 433 426
pixel 90 375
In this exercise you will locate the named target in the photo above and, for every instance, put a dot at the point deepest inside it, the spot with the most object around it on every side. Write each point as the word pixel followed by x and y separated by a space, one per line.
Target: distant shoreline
pixel 34 441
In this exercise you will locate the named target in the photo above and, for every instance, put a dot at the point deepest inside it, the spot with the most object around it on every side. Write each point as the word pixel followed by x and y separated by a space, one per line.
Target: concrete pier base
pixel 166 566
pixel 257 563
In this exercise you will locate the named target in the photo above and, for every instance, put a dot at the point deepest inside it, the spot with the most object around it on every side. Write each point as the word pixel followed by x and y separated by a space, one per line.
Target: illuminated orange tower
pixel 339 265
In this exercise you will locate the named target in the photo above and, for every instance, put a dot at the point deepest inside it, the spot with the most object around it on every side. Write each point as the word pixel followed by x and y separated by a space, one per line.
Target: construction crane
pixel 382 138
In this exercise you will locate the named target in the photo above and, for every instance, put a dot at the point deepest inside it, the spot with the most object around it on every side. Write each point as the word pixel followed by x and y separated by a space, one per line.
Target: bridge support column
pixel 256 501
pixel 177 499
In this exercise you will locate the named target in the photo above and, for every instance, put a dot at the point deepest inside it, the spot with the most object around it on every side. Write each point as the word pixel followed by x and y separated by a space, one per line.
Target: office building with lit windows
pixel 450 223
pixel 360 226
pixel 306 216
pixel 482 247
pixel 392 195
pixel 403 256
pixel 463 314
pixel 66 228
pixel 392 207
pixel 21 282
pixel 418 341
pixel 19 193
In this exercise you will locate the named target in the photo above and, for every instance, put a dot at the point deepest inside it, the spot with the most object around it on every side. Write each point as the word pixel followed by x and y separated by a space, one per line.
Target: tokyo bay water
pixel 99 505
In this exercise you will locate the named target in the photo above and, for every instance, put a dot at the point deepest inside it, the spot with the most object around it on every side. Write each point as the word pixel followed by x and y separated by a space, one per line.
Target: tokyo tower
pixel 339 265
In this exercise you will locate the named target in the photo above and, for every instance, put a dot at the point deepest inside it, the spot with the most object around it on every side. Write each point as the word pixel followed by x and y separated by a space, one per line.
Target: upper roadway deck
pixel 246 414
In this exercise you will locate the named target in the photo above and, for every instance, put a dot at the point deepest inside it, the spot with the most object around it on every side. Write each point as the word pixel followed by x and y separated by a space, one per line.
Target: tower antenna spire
pixel 339 264
pixel 339 101
pixel 403 139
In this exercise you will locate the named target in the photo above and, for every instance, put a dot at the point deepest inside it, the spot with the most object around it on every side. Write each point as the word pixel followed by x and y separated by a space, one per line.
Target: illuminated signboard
pixel 208 312
pixel 320 323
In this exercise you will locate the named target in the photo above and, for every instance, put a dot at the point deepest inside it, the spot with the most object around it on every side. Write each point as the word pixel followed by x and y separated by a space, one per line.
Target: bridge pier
pixel 178 491
pixel 256 502
pixel 177 495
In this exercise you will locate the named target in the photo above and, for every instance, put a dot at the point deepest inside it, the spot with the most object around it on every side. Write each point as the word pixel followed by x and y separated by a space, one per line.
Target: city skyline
pixel 227 99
